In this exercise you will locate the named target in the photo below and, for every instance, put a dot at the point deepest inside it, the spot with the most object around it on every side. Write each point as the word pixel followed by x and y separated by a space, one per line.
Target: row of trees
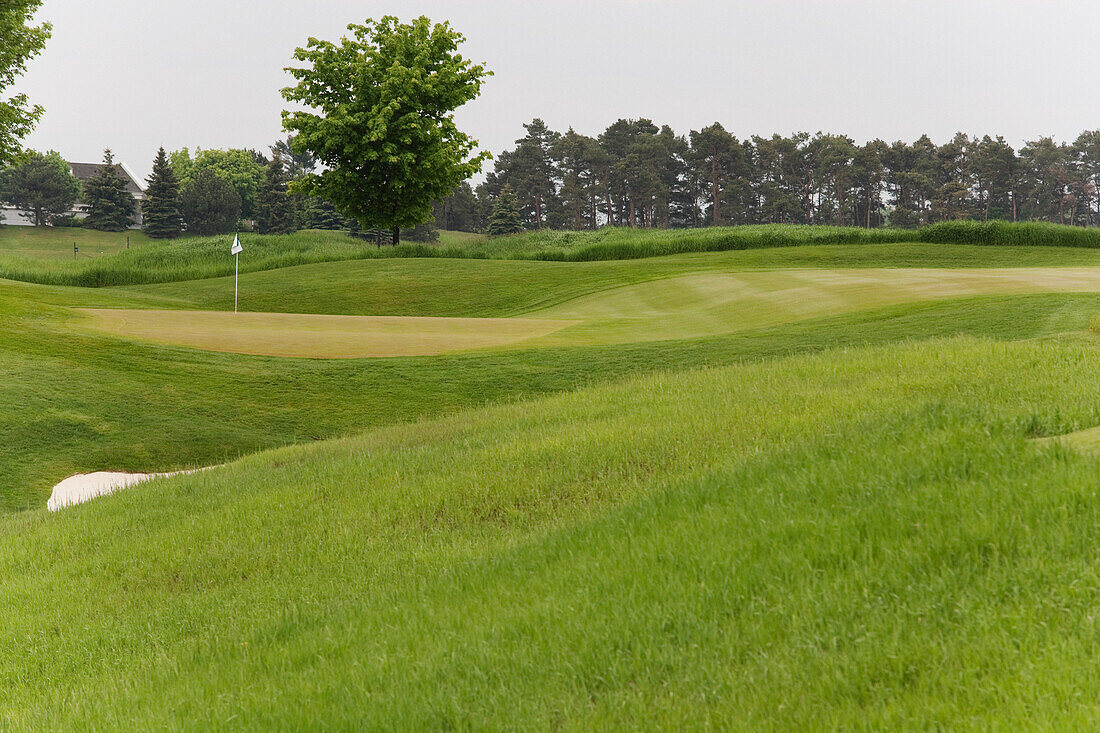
pixel 640 175
pixel 209 194
pixel 44 188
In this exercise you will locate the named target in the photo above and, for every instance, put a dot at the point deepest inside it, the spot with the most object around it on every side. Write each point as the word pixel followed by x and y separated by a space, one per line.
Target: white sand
pixel 85 486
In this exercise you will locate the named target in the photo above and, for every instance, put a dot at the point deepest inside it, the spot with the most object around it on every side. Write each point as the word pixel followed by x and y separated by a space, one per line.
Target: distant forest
pixel 636 174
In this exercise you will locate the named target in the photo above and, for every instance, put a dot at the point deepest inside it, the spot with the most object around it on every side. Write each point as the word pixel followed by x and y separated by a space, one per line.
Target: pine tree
pixel 505 218
pixel 161 207
pixel 110 205
pixel 274 208
pixel 319 213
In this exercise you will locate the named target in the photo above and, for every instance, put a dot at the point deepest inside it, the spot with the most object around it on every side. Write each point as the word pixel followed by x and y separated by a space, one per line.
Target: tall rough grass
pixel 1006 233
pixel 202 258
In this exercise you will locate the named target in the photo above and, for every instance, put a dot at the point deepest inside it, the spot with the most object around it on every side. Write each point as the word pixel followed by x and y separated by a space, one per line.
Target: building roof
pixel 84 171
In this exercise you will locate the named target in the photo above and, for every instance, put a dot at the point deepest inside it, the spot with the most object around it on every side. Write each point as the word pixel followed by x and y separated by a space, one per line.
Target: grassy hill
pixel 27 254
pixel 792 487
pixel 852 536
pixel 56 243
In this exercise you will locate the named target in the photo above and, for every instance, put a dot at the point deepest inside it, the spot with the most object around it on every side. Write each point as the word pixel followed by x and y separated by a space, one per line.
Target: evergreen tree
pixel 209 204
pixel 318 213
pixel 274 207
pixel 460 212
pixel 505 218
pixel 161 208
pixel 297 164
pixel 110 205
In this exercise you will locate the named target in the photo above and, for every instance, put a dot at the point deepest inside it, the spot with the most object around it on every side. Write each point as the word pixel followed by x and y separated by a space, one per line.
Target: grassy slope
pixel 861 538
pixel 406 287
pixel 195 258
pixel 76 401
pixel 73 401
pixel 57 243
pixel 850 538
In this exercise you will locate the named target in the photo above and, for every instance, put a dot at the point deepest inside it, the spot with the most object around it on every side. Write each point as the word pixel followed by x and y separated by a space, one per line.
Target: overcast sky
pixel 136 74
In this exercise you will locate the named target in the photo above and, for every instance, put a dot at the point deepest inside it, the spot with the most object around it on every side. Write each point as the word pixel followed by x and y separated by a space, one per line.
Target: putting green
pixel 714 303
pixel 320 336
pixel 686 306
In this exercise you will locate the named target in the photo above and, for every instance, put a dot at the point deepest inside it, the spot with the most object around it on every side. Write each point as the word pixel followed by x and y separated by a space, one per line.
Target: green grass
pixel 448 238
pixel 1003 233
pixel 199 258
pixel 842 520
pixel 464 287
pixel 56 244
pixel 74 401
pixel 852 539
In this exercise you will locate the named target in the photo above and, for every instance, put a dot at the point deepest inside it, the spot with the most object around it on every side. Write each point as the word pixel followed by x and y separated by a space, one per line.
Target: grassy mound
pixel 199 258
pixel 853 538
pixel 75 401
pixel 491 288
pixel 205 257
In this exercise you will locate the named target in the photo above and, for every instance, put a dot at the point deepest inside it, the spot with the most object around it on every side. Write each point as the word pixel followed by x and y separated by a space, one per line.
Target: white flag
pixel 236 248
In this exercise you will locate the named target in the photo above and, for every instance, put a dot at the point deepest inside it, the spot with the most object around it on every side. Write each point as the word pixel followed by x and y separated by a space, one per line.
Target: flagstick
pixel 236 277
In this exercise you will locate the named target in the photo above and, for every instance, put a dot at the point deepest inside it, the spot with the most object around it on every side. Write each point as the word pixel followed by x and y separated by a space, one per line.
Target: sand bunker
pixel 84 486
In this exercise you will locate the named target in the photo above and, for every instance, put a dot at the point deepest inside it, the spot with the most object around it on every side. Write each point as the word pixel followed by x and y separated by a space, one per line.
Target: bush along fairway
pixel 804 487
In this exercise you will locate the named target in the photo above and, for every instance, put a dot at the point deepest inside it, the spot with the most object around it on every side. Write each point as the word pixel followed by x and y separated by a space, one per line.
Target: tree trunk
pixel 632 220
pixel 538 211
pixel 714 188
pixel 396 236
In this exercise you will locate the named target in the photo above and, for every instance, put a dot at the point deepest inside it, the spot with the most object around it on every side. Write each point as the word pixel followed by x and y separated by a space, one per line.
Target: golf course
pixel 806 479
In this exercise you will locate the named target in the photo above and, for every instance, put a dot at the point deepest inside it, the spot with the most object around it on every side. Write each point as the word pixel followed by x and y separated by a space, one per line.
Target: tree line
pixel 209 192
pixel 636 174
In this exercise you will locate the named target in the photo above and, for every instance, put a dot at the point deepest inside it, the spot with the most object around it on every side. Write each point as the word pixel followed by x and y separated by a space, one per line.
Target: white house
pixel 84 171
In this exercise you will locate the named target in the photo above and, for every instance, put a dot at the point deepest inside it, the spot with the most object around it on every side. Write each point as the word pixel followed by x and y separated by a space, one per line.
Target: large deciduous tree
pixel 110 205
pixel 381 121
pixel 42 186
pixel 161 207
pixel 243 169
pixel 19 42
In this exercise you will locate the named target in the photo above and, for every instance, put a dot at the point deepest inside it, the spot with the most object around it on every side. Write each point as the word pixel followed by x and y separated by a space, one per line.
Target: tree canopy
pixel 19 43
pixel 381 121
pixel 42 186
pixel 274 208
pixel 505 218
pixel 637 174
pixel 110 205
pixel 243 169
pixel 209 204
pixel 161 208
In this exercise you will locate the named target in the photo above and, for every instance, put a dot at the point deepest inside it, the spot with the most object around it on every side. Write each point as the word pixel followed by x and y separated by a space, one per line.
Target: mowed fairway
pixel 318 336
pixel 710 304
